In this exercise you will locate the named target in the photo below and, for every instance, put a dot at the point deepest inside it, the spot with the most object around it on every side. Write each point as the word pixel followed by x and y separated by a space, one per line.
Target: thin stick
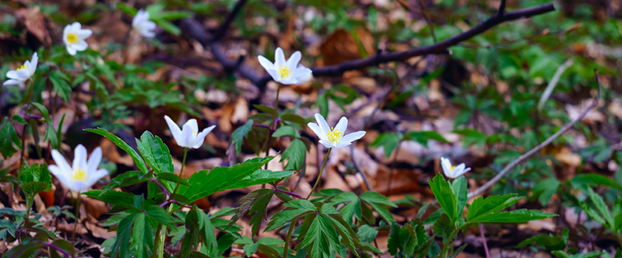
pixel 319 177
pixel 481 231
pixel 181 172
pixel 523 157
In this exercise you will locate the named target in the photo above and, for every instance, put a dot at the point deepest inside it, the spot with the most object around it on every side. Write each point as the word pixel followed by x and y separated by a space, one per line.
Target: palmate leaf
pixel 388 141
pixel 121 246
pixel 200 230
pixel 295 152
pixel 354 204
pixel 254 203
pixel 409 239
pixel 237 137
pixel 204 183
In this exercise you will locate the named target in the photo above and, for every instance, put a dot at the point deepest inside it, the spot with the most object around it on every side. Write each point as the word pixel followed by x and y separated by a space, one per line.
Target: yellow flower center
pixel 334 136
pixel 194 132
pixel 451 167
pixel 72 38
pixel 78 174
pixel 23 67
pixel 284 71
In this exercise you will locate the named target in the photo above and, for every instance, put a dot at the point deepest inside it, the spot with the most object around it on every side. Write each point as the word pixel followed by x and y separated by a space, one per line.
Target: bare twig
pixel 481 231
pixel 196 31
pixel 523 157
pixel 427 20
pixel 549 88
pixel 225 25
pixel 501 11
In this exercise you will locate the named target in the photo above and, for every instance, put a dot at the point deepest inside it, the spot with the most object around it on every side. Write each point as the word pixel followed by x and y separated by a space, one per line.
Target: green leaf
pixel 34 179
pixel 297 209
pixel 459 188
pixel 549 241
pixel 443 227
pixel 594 179
pixel 140 163
pixel 601 206
pixel 444 195
pixel 111 197
pixel 294 119
pixel 172 15
pixel 471 136
pixel 260 177
pixel 545 190
pixel 254 203
pixel 295 153
pixel 379 203
pixel 422 137
pixel 515 216
pixel 41 108
pixel 495 203
pixel 205 183
pixel 155 152
pixel 388 141
pixel 367 233
pixel 121 246
pixel 160 215
pixel 237 138
pixel 61 85
pixel 19 119
pixel 172 177
pixel 127 9
pixel 265 109
pixel 8 139
pixel 142 236
pixel 286 131
pixel 167 26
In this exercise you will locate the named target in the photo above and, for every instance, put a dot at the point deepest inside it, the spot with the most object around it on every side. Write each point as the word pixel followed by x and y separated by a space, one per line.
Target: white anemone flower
pixel 22 73
pixel 451 171
pixel 83 174
pixel 286 72
pixel 334 137
pixel 74 36
pixel 189 137
pixel 143 25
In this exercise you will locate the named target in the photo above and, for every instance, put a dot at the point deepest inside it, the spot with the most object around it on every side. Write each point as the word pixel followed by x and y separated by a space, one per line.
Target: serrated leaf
pixel 111 197
pixel 205 183
pixel 142 236
pixel 171 177
pixel 388 141
pixel 515 216
pixel 294 119
pixel 601 206
pixel 443 227
pixel 495 203
pixel 155 152
pixel 237 138
pixel 459 188
pixel 295 154
pixel 367 233
pixel 8 139
pixel 34 179
pixel 444 195
pixel 286 131
pixel 379 203
pixel 261 177
pixel 121 246
pixel 140 163
pixel 594 179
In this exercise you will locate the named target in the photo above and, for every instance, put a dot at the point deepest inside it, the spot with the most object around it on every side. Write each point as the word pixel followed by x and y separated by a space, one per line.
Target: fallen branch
pixel 522 158
pixel 195 30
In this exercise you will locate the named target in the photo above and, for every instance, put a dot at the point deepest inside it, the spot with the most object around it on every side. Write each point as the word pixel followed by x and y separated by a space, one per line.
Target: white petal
pixel 326 144
pixel 75 27
pixel 11 74
pixel 61 162
pixel 94 176
pixel 84 34
pixel 457 170
pixel 317 130
pixel 349 138
pixel 79 158
pixel 174 129
pixel 148 34
pixel 274 74
pixel 342 144
pixel 342 125
pixel 446 165
pixel 292 62
pixel 206 131
pixel 70 49
pixel 80 45
pixel 11 82
pixel 186 136
pixel 198 142
pixel 279 58
pixel 23 74
pixel 34 62
pixel 322 123
pixel 94 160
pixel 194 127
pixel 302 75
pixel 148 25
pixel 265 63
pixel 58 172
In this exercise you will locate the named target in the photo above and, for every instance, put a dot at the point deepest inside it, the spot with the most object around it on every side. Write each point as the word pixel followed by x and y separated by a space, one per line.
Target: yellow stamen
pixel 72 38
pixel 334 136
pixel 284 71
pixel 451 167
pixel 23 67
pixel 78 174
pixel 194 132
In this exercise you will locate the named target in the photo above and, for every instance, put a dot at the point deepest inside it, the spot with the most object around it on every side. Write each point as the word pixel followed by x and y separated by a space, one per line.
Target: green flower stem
pixel 77 219
pixel 29 199
pixel 181 172
pixel 317 182
pixel 289 237
pixel 272 127
pixel 449 240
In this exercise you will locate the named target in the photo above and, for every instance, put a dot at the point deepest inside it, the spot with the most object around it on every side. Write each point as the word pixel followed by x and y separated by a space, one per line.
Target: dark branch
pixel 196 31
pixel 502 8
pixel 225 25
